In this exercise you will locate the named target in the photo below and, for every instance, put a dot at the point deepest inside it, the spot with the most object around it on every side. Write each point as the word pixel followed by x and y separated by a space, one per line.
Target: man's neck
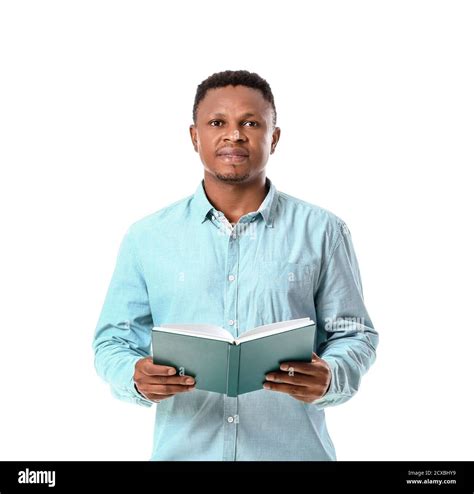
pixel 235 200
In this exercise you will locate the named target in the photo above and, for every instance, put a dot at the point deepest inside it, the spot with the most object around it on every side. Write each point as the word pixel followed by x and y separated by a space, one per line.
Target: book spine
pixel 233 364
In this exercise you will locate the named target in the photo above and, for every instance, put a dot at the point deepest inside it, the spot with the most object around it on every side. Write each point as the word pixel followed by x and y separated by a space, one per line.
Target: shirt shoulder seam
pixel 336 244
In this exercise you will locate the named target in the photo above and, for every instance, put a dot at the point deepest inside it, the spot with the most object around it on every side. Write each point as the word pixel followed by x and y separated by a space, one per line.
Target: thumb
pixel 315 358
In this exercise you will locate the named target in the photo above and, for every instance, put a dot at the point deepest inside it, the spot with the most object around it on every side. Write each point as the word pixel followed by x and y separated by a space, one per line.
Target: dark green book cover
pixel 222 364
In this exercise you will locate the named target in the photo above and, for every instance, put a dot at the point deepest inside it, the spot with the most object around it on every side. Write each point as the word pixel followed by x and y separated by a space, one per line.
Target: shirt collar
pixel 203 208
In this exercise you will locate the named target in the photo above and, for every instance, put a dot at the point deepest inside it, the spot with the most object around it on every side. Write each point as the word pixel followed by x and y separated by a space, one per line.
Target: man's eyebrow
pixel 245 115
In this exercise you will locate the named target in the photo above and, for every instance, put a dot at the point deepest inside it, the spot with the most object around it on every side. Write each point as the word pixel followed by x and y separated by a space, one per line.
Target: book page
pixel 198 330
pixel 274 328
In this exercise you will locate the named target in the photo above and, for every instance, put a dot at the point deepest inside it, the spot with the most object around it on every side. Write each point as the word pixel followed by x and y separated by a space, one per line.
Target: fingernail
pixel 171 372
pixel 270 377
pixel 284 367
pixel 189 381
pixel 266 386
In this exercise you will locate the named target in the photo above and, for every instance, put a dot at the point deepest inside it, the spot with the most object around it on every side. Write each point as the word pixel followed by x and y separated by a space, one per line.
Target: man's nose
pixel 235 135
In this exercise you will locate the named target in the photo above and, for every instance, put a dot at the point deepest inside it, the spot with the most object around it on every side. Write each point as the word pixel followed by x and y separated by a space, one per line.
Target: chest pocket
pixel 286 277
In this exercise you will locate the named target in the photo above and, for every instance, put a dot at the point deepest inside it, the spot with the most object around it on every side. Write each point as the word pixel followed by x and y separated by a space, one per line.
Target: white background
pixel 375 102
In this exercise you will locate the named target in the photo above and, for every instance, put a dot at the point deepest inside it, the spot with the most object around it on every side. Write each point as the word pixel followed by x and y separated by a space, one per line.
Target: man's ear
pixel 194 137
pixel 275 139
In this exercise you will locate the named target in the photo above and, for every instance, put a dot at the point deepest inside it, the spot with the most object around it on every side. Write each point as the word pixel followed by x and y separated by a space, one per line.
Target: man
pixel 238 254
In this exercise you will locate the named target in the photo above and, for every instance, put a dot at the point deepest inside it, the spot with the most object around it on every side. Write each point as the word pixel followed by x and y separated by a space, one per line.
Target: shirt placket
pixel 230 416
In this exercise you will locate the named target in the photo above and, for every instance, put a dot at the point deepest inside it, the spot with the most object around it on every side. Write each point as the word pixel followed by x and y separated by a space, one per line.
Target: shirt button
pixel 231 277
pixel 230 419
pixel 231 322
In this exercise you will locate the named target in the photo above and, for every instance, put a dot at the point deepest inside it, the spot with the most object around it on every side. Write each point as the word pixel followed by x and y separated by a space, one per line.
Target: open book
pixel 233 366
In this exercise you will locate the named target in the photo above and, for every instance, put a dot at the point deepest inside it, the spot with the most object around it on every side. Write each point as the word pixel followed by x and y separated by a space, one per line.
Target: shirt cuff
pixel 142 399
pixel 132 389
pixel 331 397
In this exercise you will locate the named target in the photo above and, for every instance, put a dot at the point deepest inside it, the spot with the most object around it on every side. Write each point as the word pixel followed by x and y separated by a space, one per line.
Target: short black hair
pixel 234 78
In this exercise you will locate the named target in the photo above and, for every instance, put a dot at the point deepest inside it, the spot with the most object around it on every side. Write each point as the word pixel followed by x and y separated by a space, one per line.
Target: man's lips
pixel 232 152
pixel 232 155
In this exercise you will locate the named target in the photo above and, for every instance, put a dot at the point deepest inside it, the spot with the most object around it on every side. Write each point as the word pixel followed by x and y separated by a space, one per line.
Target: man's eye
pixel 251 123
pixel 215 123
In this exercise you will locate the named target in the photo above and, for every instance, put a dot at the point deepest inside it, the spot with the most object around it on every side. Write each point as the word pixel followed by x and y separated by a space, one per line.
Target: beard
pixel 232 178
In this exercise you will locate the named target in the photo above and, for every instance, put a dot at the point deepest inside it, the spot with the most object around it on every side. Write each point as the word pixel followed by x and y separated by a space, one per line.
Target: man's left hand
pixel 304 381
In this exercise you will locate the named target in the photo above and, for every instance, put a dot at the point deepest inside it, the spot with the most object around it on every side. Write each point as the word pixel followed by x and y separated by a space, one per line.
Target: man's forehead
pixel 243 114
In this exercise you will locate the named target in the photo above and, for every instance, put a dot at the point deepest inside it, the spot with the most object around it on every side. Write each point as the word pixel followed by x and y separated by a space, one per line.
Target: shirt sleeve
pixel 123 333
pixel 347 340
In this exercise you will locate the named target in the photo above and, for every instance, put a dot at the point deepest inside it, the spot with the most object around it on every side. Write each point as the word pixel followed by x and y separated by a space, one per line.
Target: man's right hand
pixel 158 382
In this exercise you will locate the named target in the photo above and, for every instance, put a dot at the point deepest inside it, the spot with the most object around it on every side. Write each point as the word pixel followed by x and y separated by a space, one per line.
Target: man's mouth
pixel 230 154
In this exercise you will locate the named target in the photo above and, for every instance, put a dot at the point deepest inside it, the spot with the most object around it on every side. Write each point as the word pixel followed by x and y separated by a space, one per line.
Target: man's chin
pixel 232 177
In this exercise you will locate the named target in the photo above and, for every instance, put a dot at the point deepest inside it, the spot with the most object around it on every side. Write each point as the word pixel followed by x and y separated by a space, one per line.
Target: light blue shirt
pixel 187 264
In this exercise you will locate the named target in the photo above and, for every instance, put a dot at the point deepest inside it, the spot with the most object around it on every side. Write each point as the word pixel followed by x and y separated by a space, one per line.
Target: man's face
pixel 233 133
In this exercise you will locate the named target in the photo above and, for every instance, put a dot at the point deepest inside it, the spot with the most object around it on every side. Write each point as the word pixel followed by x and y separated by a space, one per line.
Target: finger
pixel 310 368
pixel 151 369
pixel 182 380
pixel 288 389
pixel 315 358
pixel 160 389
pixel 297 379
